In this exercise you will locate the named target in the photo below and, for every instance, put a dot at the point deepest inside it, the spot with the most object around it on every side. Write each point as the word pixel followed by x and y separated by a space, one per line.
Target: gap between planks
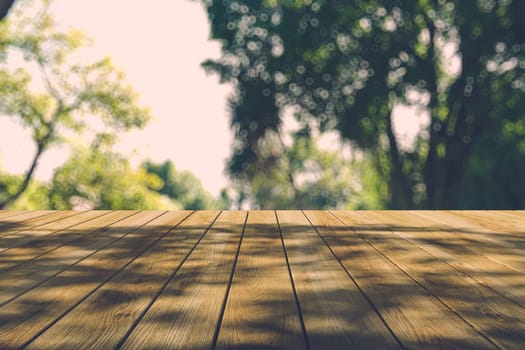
pixel 292 239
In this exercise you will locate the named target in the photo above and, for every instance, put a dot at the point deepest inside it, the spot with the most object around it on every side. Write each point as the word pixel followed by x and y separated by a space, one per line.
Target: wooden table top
pixel 262 279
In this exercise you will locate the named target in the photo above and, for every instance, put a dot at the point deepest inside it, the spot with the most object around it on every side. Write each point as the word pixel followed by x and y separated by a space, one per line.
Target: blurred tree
pixel 99 179
pixel 34 198
pixel 298 176
pixel 346 64
pixel 182 187
pixel 71 92
pixel 495 167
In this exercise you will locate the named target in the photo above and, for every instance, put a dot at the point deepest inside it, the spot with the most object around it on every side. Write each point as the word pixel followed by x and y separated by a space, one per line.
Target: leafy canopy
pixel 100 179
pixel 181 187
pixel 347 64
pixel 64 96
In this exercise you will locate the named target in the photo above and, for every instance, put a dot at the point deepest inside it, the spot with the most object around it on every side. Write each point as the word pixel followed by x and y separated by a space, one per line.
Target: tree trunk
pixel 467 116
pixel 400 189
pixel 27 179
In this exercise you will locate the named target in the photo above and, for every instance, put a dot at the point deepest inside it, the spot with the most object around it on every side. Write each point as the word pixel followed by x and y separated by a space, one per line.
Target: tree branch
pixel 47 81
pixel 289 172
pixel 401 191
pixel 41 147
pixel 27 178
pixel 432 169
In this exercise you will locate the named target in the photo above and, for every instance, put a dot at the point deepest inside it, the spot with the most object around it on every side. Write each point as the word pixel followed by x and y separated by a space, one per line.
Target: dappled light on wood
pixel 262 279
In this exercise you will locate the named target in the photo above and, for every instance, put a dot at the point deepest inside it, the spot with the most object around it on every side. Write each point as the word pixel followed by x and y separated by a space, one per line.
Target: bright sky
pixel 159 45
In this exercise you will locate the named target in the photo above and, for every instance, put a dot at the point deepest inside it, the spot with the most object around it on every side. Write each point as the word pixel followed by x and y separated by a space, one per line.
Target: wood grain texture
pixel 396 296
pixel 507 221
pixel 286 279
pixel 10 223
pixel 103 319
pixel 33 219
pixel 335 312
pixel 7 215
pixel 101 232
pixel 495 239
pixel 66 231
pixel 26 221
pixel 186 314
pixel 261 309
pixel 517 215
pixel 449 244
pixel 38 227
pixel 26 316
pixel 487 311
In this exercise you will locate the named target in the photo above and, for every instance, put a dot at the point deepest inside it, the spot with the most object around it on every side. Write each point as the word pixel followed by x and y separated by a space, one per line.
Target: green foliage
pixel 346 64
pixel 302 176
pixel 182 187
pixel 98 179
pixel 8 185
pixel 35 198
pixel 369 189
pixel 496 168
pixel 70 92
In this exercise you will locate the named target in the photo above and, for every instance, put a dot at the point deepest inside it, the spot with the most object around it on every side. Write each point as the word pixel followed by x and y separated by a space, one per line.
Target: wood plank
pixel 416 318
pixel 330 301
pixel 86 225
pixel 186 314
pixel 30 314
pixel 509 222
pixel 261 310
pixel 518 215
pixel 20 221
pixel 103 319
pixel 412 279
pixel 106 230
pixel 10 213
pixel 491 314
pixel 509 219
pixel 456 252
pixel 24 220
pixel 41 226
pixel 486 235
